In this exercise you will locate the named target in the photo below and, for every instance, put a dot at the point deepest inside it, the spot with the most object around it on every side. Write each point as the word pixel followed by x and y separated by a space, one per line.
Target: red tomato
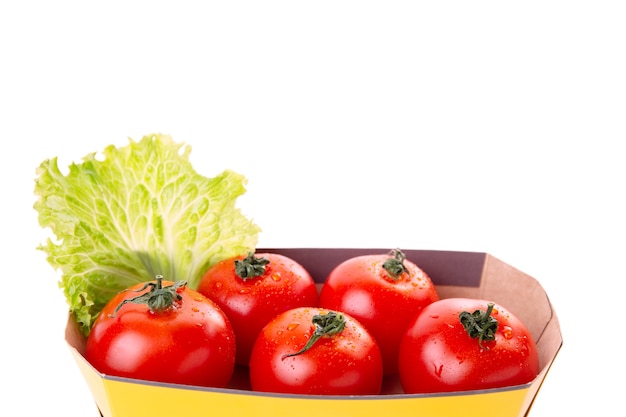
pixel 252 290
pixel 316 351
pixel 163 331
pixel 383 292
pixel 438 353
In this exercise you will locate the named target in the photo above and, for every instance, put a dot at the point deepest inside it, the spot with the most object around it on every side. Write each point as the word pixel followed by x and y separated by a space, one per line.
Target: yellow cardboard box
pixel 456 274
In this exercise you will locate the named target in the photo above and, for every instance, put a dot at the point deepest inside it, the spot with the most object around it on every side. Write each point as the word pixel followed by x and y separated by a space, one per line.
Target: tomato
pixel 316 351
pixel 166 332
pixel 460 344
pixel 253 289
pixel 383 292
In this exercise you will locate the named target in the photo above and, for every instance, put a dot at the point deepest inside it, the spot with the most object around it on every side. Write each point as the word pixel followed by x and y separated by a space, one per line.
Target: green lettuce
pixel 140 211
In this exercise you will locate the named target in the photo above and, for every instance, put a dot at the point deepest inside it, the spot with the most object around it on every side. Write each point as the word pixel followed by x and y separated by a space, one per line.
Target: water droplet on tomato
pixel 244 291
pixel 507 332
pixel 276 277
pixel 293 326
pixel 195 309
pixel 218 285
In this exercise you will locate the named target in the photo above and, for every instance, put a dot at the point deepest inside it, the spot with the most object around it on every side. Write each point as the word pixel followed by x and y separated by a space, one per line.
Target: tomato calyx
pixel 326 325
pixel 394 265
pixel 251 266
pixel 158 299
pixel 480 325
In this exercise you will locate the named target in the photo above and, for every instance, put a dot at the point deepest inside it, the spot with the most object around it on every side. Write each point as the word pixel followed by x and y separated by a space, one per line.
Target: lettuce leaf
pixel 140 211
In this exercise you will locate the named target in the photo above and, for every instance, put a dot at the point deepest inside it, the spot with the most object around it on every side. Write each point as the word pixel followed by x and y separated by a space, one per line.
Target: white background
pixel 477 126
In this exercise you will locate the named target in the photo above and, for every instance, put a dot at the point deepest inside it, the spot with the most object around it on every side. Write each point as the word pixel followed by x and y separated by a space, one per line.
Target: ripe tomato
pixel 253 289
pixel 460 344
pixel 166 332
pixel 316 351
pixel 383 292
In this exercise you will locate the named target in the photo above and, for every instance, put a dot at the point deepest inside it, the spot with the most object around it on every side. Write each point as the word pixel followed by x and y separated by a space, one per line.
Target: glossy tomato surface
pixel 384 304
pixel 275 283
pixel 345 363
pixel 191 342
pixel 437 354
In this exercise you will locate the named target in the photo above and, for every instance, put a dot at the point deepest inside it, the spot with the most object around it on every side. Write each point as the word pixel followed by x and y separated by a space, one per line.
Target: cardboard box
pixel 465 274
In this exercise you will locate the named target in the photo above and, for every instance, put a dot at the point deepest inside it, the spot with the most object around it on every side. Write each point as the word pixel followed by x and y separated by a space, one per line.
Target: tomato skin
pixel 348 363
pixel 361 288
pixel 438 355
pixel 190 343
pixel 251 303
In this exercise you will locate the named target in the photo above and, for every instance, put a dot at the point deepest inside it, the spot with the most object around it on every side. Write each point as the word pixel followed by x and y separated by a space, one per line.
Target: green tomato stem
pixel 480 325
pixel 326 325
pixel 395 266
pixel 158 299
pixel 251 266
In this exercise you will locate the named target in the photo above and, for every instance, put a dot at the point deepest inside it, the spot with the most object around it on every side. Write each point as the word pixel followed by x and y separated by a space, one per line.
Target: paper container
pixel 456 274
